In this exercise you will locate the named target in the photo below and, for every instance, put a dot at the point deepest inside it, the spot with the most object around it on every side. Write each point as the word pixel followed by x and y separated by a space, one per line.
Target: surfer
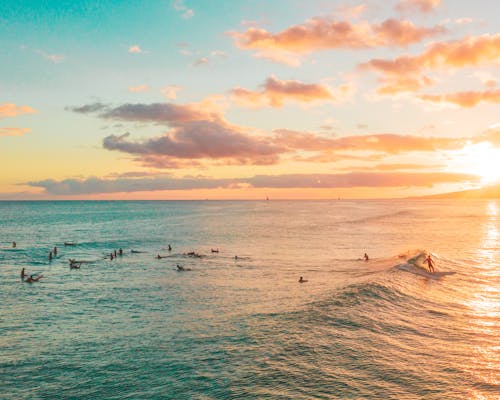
pixel 215 250
pixel 159 257
pixel 23 273
pixel 169 248
pixel 55 250
pixel 31 278
pixel 73 264
pixel 366 257
pixel 302 280
pixel 120 252
pixel 430 263
pixel 50 256
pixel 14 244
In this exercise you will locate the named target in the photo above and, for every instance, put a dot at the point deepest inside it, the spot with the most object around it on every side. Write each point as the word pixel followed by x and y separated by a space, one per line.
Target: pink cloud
pixel 424 6
pixel 325 33
pixel 389 143
pixel 406 73
pixel 198 137
pixel 209 140
pixel 138 89
pixel 276 92
pixel 13 110
pixel 135 49
pixel 170 92
pixel 464 99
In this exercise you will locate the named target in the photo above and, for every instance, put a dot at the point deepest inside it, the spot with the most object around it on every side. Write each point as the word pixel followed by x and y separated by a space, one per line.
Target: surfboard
pixel 422 272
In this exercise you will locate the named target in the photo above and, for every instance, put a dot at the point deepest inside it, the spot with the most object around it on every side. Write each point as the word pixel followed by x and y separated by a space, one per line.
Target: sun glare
pixel 481 159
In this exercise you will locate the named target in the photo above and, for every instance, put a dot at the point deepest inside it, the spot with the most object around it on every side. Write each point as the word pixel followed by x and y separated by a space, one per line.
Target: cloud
pixel 388 143
pixel 424 6
pixel 406 73
pixel 198 136
pixel 139 88
pixel 161 113
pixel 179 5
pixel 170 92
pixel 95 185
pixel 88 108
pixel 492 135
pixel 399 167
pixel 326 33
pixel 14 131
pixel 54 58
pixel 358 179
pixel 135 49
pixel 350 12
pixel 275 92
pixel 12 110
pixel 201 61
pixel 200 140
pixel 464 99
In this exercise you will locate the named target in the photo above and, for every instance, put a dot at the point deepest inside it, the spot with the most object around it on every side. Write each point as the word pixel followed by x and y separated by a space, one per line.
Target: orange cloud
pixel 14 131
pixel 385 142
pixel 135 49
pixel 170 92
pixel 275 92
pixel 406 73
pixel 424 6
pixel 464 99
pixel 139 88
pixel 12 110
pixel 325 33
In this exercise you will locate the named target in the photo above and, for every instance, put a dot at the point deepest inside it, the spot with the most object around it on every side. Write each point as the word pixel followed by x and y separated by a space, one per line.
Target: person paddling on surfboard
pixel 430 263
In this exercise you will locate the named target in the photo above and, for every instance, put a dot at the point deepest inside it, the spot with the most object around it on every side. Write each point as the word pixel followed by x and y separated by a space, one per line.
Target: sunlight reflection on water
pixel 485 309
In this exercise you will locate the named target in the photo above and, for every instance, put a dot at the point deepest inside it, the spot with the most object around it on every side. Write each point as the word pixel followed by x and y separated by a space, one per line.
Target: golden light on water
pixel 484 306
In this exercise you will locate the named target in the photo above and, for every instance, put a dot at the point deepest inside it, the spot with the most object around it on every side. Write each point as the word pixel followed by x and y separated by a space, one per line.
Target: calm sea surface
pixel 244 328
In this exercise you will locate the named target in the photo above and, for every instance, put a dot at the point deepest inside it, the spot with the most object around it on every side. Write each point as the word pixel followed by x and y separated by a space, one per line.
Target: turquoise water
pixel 135 327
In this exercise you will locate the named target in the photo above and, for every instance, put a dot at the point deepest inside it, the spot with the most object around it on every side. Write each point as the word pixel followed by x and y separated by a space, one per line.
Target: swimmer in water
pixel 23 273
pixel 430 263
pixel 31 278
pixel 366 257
pixel 169 248
pixel 14 244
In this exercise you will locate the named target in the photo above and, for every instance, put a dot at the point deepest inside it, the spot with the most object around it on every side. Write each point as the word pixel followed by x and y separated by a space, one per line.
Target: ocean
pixel 237 324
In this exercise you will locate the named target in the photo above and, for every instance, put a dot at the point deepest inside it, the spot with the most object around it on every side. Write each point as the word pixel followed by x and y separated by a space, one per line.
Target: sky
pixel 248 99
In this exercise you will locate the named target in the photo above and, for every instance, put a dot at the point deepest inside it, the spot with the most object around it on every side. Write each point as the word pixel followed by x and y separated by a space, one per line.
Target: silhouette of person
pixel 430 263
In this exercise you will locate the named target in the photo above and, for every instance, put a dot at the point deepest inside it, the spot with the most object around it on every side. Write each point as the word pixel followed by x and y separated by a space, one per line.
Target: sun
pixel 481 159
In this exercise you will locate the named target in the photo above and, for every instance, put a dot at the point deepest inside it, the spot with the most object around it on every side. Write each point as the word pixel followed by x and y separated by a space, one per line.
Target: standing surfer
pixel 430 263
